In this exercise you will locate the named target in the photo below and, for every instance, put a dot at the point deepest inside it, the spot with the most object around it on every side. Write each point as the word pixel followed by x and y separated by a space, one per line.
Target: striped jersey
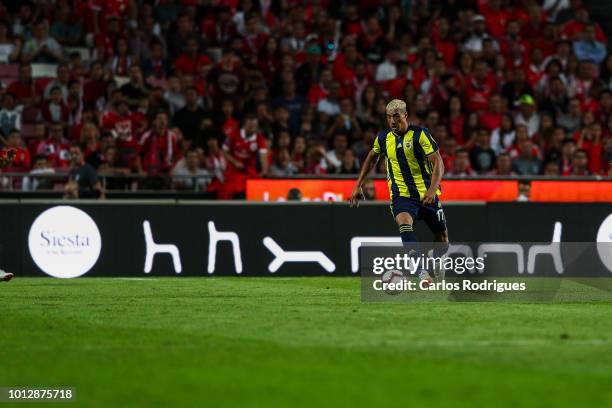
pixel 408 169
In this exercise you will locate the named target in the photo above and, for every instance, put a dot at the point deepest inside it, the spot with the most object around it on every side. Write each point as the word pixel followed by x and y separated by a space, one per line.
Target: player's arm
pixel 432 153
pixel 369 163
pixel 436 176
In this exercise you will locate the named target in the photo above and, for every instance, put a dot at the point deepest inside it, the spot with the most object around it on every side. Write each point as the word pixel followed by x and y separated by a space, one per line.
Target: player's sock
pixel 410 243
pixel 440 249
pixel 409 238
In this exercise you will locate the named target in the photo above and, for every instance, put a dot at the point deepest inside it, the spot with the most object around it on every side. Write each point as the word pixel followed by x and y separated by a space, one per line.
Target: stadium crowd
pixel 235 89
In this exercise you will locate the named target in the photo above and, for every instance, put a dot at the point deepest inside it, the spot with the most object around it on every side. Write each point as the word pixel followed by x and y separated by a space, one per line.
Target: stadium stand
pixel 291 88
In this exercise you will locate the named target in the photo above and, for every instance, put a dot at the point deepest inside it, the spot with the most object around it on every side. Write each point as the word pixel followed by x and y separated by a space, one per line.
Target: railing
pixel 311 188
pixel 133 182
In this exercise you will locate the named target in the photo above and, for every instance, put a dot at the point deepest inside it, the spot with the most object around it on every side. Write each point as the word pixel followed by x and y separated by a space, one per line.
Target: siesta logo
pixel 53 239
pixel 64 242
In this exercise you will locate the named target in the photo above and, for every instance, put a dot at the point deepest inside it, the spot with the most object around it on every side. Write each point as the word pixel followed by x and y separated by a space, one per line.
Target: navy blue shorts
pixel 432 214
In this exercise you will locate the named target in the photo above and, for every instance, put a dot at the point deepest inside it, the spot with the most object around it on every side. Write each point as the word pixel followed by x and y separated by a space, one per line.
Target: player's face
pixel 397 121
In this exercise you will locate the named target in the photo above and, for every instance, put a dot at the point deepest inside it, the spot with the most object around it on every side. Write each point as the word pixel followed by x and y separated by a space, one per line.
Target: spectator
pixel 56 147
pixel 226 80
pixel 21 161
pixel 25 91
pixel 551 169
pixel 315 161
pixel 503 137
pixel 556 101
pixel 524 191
pixel 292 101
pixel 387 70
pixel 349 163
pixel 479 33
pixel 156 66
pixel 461 164
pixel 480 87
pixel 66 29
pixel 369 190
pixel 588 48
pixel 482 156
pixel 571 120
pixel 41 48
pixel 181 32
pixel 294 194
pixel 335 156
pixel 61 81
pixel 513 90
pixel 159 146
pixel 528 115
pixel 346 122
pixel 10 49
pixel 10 115
pixel 456 118
pixel 580 163
pixel 85 177
pixel 136 88
pixel 247 154
pixel 298 153
pixel 187 62
pixel 283 167
pixel 94 88
pixel 55 110
pixel 503 166
pixel 121 60
pixel 41 167
pixel 189 118
pixel 528 161
pixel 492 118
pixel 330 105
pixel 174 96
pixel 448 151
pixel 187 173
pixel 215 163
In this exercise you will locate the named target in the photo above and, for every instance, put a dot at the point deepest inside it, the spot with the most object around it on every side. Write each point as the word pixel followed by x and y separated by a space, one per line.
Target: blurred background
pixel 282 99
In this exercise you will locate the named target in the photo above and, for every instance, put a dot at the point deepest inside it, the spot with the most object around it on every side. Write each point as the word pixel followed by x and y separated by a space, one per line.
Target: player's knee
pixel 403 219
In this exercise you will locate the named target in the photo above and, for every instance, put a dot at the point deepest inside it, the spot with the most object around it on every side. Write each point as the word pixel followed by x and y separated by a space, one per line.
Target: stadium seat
pixel 44 70
pixel 10 71
pixel 27 130
pixel 30 115
pixel 84 52
pixel 121 80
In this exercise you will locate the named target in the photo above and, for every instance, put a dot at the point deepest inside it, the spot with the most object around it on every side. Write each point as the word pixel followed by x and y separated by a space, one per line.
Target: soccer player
pixel 414 171
pixel 5 161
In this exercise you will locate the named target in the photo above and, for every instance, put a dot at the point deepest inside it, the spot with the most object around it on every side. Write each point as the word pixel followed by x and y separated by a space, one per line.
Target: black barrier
pixel 251 239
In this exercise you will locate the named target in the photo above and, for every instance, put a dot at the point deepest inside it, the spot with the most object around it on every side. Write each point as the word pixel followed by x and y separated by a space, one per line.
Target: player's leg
pixel 405 224
pixel 434 217
pixel 5 276
pixel 405 211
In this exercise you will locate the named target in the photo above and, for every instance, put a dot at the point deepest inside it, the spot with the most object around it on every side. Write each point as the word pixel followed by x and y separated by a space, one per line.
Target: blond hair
pixel 396 104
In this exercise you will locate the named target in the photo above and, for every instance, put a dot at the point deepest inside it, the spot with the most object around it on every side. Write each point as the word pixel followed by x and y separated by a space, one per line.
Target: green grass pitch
pixel 311 342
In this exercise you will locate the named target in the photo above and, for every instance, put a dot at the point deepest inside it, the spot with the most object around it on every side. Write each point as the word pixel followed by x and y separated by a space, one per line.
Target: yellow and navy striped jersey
pixel 408 169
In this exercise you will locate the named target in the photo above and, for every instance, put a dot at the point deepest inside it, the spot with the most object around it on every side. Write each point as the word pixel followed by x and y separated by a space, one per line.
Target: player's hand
pixel 429 197
pixel 356 195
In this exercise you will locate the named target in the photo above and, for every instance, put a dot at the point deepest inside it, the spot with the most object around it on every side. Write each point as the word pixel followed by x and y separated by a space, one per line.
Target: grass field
pixel 296 342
